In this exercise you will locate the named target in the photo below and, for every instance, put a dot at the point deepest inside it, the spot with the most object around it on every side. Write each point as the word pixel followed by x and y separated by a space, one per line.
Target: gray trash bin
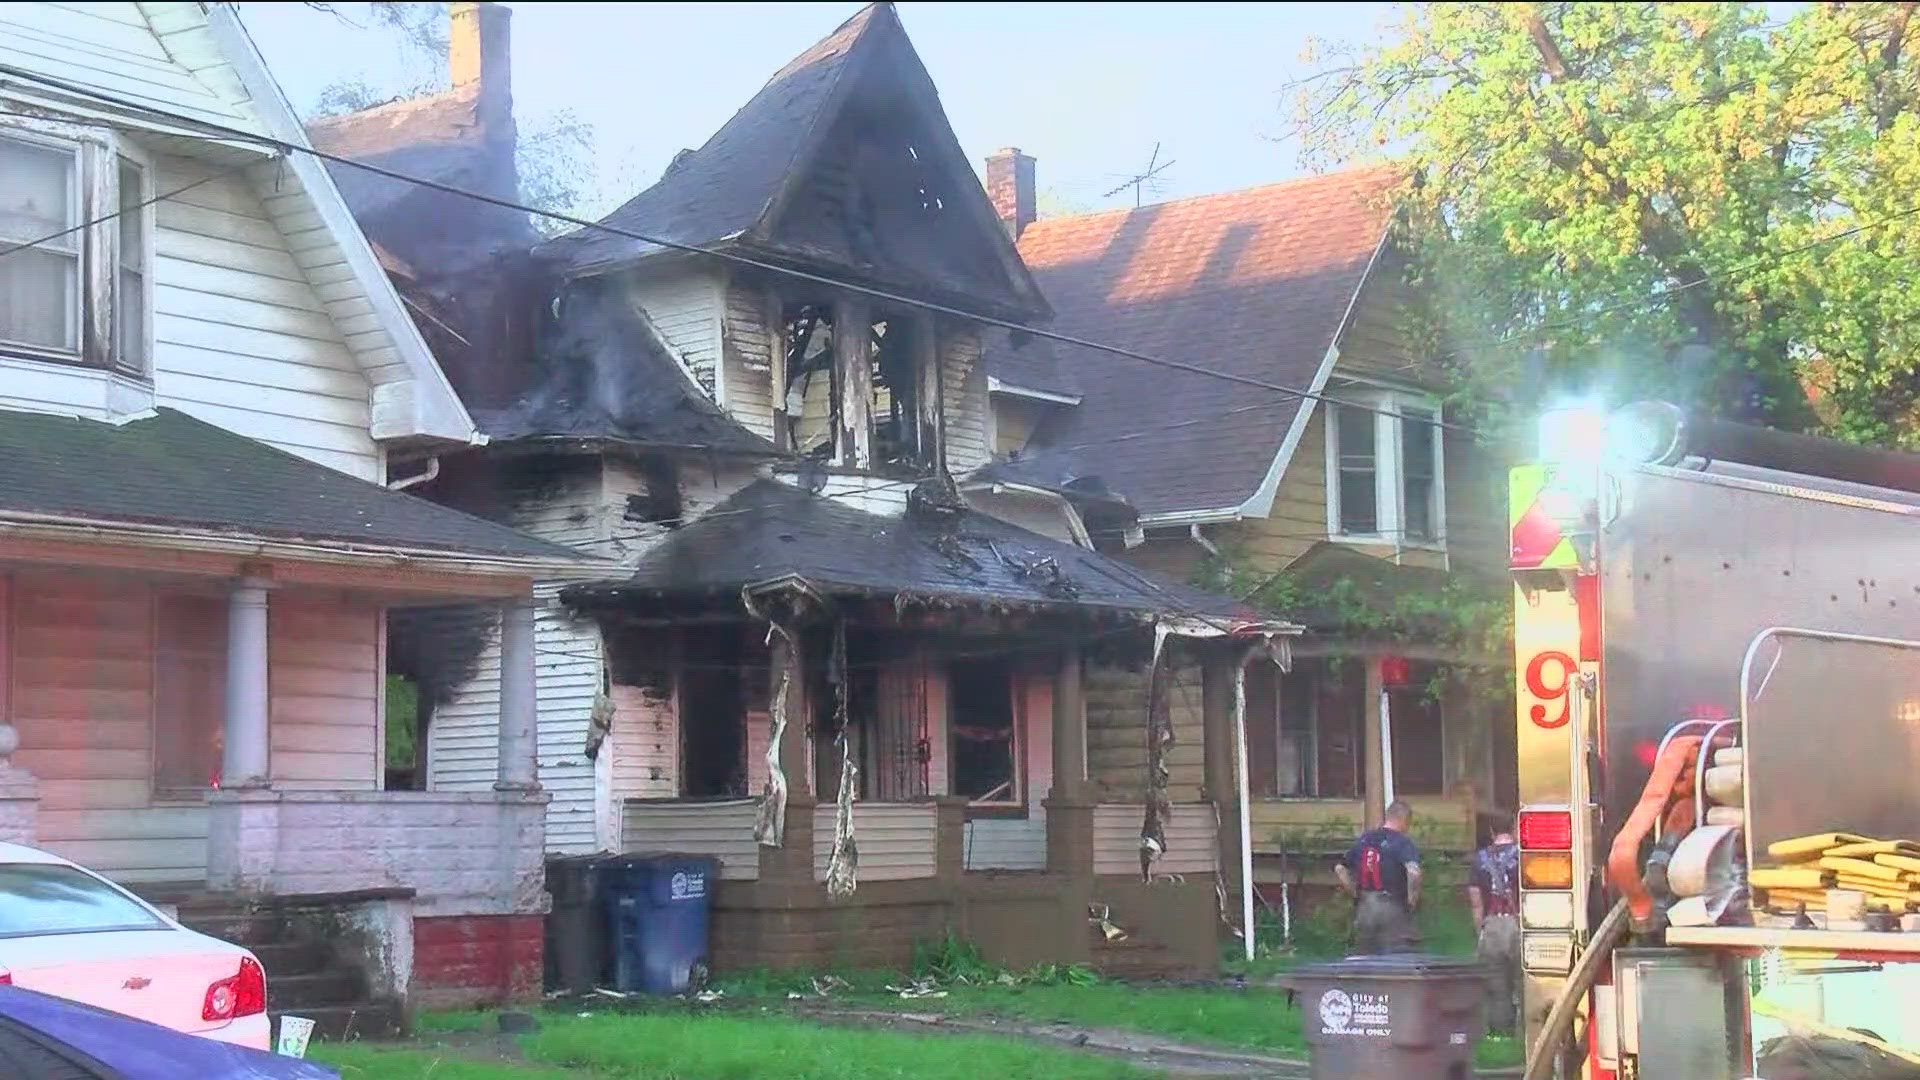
pixel 1400 1017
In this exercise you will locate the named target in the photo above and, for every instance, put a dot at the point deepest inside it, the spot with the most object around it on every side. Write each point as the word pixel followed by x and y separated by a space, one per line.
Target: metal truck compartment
pixel 1693 565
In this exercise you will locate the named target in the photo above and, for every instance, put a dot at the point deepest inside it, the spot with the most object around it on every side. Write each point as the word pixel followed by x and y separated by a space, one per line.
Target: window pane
pixel 36 193
pixel 133 216
pixel 46 899
pixel 1417 473
pixel 190 680
pixel 38 290
pixel 1358 510
pixel 130 323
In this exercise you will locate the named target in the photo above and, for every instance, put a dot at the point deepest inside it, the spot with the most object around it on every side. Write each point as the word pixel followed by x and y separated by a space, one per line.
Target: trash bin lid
pixel 1391 966
pixel 659 861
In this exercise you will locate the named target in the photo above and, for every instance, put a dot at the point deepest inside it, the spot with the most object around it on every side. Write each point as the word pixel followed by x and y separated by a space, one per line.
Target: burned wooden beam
pixel 929 395
pixel 853 384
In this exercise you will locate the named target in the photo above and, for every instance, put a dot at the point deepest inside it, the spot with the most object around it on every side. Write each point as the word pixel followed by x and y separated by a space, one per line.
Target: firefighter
pixel 1382 871
pixel 1493 892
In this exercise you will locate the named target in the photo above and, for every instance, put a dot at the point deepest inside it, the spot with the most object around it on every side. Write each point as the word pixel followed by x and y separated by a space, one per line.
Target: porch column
pixel 243 762
pixel 518 716
pixel 1069 726
pixel 1373 728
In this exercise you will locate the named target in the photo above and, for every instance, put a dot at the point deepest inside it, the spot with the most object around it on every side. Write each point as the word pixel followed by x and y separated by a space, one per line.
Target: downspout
pixel 1246 793
pixel 1201 538
pixel 432 471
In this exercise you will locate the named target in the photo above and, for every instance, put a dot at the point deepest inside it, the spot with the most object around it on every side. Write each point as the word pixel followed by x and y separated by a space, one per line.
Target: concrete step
pixel 242 927
pixel 286 958
pixel 336 986
pixel 339 1023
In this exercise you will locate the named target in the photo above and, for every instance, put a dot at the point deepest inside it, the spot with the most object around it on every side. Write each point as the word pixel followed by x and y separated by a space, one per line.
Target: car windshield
pixel 44 898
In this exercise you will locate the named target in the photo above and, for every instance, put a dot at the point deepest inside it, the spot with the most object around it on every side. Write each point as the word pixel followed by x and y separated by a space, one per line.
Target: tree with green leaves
pixel 1711 202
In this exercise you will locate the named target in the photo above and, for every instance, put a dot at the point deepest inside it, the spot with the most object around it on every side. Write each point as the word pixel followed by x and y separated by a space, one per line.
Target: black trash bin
pixel 657 919
pixel 576 926
pixel 1400 1017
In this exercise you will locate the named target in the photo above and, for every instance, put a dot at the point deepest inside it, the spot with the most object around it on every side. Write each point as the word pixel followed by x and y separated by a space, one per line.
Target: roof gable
pixel 843 160
pixel 1256 283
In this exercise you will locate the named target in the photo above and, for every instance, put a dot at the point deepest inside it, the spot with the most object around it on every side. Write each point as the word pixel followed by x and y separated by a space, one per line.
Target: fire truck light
pixel 1573 434
pixel 1582 433
pixel 1546 911
pixel 1546 870
pixel 1546 830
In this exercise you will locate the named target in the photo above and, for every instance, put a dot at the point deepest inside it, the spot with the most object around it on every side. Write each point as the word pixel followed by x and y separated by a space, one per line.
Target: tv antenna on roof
pixel 1146 178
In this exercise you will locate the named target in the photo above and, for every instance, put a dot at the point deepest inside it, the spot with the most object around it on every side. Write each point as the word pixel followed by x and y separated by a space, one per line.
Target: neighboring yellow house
pixel 1353 504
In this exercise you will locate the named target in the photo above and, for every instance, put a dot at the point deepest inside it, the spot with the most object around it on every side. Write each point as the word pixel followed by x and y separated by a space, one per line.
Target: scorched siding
pixel 687 310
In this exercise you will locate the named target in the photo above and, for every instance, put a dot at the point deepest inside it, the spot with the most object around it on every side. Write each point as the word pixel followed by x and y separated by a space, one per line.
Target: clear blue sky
pixel 1088 89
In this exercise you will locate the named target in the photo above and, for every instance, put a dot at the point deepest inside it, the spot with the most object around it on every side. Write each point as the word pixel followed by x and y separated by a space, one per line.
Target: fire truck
pixel 1689 591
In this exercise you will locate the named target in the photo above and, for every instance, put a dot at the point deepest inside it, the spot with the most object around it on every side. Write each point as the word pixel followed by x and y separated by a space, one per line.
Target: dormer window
pixel 74 251
pixel 861 388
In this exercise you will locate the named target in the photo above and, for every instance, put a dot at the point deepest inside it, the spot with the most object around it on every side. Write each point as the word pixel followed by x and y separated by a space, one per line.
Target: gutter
pixel 995 386
pixel 84 530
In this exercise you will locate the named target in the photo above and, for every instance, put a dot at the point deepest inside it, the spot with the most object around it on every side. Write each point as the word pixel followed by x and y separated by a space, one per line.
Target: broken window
pixel 406 730
pixel 985 737
pixel 854 388
pixel 714 692
pixel 1415 715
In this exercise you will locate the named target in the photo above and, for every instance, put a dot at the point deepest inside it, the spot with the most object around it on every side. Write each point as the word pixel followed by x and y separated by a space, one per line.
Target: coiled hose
pixel 1553 1033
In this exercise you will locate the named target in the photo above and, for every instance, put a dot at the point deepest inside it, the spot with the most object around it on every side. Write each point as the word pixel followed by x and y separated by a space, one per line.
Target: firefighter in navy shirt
pixel 1382 871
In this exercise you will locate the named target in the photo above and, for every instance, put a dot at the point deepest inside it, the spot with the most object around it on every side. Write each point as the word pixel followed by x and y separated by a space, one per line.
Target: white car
pixel 67 931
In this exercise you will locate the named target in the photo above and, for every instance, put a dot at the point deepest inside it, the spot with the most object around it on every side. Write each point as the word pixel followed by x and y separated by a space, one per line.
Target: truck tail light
pixel 1546 870
pixel 1546 830
pixel 237 995
pixel 6 977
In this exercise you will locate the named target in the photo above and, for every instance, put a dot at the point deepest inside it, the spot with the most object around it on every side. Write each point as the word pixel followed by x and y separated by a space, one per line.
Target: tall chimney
pixel 1010 188
pixel 480 63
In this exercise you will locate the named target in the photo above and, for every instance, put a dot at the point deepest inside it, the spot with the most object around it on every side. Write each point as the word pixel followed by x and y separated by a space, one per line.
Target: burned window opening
pixel 659 502
pixel 897 433
pixel 721 680
pixel 811 398
pixel 985 742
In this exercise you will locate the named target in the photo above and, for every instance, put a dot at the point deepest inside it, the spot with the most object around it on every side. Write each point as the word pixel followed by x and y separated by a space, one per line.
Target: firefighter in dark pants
pixel 1493 892
pixel 1382 871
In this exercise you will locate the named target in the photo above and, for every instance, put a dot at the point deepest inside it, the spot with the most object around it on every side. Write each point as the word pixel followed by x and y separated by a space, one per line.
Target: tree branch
pixel 1550 56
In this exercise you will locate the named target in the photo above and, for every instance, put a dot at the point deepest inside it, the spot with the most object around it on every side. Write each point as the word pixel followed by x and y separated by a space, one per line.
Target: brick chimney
pixel 1010 188
pixel 480 64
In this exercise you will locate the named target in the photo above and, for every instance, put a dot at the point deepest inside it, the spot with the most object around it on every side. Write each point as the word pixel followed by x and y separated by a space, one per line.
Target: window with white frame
pixel 1384 469
pixel 74 242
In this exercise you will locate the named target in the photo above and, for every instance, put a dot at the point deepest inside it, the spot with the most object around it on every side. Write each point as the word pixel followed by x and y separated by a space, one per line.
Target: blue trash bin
pixel 657 920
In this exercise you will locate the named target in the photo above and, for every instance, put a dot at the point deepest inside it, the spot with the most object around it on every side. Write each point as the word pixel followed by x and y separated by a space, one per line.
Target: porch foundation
pixel 19 804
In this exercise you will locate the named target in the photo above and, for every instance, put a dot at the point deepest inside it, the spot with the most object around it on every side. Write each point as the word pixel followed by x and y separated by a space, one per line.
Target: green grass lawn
pixel 717 1046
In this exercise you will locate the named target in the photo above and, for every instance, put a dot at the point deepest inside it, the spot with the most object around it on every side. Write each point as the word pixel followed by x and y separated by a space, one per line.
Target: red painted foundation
pixel 476 960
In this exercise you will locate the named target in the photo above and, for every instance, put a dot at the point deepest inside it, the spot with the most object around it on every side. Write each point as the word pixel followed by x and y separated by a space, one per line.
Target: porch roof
pixel 183 476
pixel 770 533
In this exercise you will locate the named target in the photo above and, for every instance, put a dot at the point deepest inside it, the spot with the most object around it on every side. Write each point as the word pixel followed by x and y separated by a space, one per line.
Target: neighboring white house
pixel 192 622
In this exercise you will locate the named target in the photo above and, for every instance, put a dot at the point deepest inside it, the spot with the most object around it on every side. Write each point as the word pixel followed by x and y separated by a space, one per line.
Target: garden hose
pixel 1553 1033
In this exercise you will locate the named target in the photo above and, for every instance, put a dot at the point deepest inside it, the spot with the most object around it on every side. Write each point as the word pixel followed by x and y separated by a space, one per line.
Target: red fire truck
pixel 1683 588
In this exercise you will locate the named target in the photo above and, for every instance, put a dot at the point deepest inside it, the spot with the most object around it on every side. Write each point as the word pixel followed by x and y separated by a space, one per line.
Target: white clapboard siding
pixel 463 734
pixel 115 49
pixel 324 705
pixel 896 841
pixel 1191 839
pixel 1008 843
pixel 723 830
pixel 241 340
pixel 965 388
pixel 687 308
pixel 747 352
pixel 645 743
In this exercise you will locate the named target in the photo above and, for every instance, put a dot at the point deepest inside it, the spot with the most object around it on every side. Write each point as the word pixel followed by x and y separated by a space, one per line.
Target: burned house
pixel 759 389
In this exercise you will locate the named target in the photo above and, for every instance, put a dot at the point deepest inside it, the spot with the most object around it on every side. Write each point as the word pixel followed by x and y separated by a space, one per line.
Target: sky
pixel 1087 89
